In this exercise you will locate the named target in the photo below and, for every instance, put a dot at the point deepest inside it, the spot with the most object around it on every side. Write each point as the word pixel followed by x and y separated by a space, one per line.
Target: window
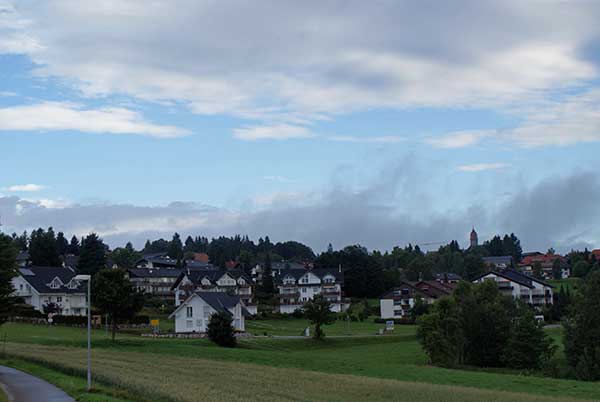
pixel 21 287
pixel 304 280
pixel 189 312
pixel 316 289
pixel 55 284
pixel 236 324
pixel 189 324
pixel 206 312
pixel 303 290
pixel 59 299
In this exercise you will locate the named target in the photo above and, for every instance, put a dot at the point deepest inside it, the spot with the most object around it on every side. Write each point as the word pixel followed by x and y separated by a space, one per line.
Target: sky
pixel 381 123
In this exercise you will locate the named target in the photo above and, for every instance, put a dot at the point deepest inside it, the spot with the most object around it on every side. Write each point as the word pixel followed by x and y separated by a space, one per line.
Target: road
pixel 22 387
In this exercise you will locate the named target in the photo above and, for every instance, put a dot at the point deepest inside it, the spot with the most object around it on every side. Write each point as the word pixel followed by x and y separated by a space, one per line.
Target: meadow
pixel 387 368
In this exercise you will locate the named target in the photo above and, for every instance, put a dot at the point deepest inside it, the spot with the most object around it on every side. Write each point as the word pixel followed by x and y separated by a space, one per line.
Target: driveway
pixel 23 387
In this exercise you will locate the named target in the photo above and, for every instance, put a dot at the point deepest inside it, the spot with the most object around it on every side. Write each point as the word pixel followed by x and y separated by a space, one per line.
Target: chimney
pixel 340 268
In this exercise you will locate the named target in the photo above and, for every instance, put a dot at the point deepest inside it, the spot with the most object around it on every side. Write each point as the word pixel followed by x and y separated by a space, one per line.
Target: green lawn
pixel 295 327
pixel 3 397
pixel 396 357
pixel 569 283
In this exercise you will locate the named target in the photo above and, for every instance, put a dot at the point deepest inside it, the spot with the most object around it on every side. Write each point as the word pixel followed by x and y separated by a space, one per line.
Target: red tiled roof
pixel 544 258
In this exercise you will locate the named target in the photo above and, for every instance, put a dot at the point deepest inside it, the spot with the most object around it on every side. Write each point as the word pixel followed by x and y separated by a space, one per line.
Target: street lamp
pixel 88 279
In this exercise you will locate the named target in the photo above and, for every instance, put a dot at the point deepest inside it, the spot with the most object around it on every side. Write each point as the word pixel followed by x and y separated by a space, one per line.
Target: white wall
pixel 201 312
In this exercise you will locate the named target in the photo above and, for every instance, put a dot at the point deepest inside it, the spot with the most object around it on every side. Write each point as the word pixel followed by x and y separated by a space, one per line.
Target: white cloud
pixel 275 132
pixel 303 61
pixel 25 188
pixel 7 94
pixel 479 167
pixel 459 139
pixel 50 116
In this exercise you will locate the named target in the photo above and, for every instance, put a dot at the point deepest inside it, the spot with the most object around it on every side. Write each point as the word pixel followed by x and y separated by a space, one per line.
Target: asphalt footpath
pixel 23 387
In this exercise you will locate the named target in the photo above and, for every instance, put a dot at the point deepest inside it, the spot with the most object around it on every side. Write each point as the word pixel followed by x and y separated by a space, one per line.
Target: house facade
pixel 234 282
pixel 297 286
pixel 40 286
pixel 154 281
pixel 193 314
pixel 398 302
pixel 520 286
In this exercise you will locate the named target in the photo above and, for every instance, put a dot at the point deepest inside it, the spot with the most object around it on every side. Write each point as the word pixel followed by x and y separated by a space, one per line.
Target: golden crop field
pixel 164 378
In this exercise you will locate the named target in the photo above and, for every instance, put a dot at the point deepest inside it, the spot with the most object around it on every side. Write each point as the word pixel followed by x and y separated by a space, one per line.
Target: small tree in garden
pixel 113 294
pixel 220 329
pixel 50 308
pixel 318 312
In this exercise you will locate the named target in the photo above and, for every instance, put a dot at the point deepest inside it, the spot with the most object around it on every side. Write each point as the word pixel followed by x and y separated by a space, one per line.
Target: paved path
pixel 22 387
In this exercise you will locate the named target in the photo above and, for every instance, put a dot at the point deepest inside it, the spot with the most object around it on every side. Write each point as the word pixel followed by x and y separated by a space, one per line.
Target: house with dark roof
pixel 398 302
pixel 519 285
pixel 194 313
pixel 40 286
pixel 231 281
pixel 546 262
pixel 23 258
pixel 296 286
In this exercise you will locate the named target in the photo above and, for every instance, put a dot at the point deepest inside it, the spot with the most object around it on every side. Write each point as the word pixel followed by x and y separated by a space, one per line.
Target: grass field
pixel 391 357
pixel 295 326
pixel 175 378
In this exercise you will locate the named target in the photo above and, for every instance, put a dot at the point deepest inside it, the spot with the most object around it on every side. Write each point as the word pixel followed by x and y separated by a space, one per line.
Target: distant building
pixel 40 286
pixel 155 281
pixel 297 286
pixel 474 240
pixel 23 258
pixel 398 302
pixel 447 277
pixel 500 262
pixel 520 286
pixel 194 313
pixel 546 262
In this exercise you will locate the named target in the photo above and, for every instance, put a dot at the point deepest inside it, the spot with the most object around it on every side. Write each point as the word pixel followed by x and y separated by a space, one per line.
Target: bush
pixel 220 330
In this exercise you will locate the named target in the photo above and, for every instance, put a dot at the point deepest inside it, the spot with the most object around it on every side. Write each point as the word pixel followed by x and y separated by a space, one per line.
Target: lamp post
pixel 88 279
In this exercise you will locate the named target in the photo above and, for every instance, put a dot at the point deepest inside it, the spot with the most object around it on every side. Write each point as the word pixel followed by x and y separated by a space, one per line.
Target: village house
pixel 520 286
pixel 194 313
pixel 498 262
pixel 232 281
pixel 398 302
pixel 296 286
pixel 154 281
pixel 40 286
pixel 546 262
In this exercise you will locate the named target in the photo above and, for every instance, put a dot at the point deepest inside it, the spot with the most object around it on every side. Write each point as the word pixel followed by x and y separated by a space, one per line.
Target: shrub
pixel 220 330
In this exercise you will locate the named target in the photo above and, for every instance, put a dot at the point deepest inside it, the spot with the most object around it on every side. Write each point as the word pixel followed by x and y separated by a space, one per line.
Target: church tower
pixel 474 239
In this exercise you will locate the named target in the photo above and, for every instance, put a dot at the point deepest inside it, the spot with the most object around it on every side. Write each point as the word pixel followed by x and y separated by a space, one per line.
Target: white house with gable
pixel 40 286
pixel 297 286
pixel 194 313
pixel 520 286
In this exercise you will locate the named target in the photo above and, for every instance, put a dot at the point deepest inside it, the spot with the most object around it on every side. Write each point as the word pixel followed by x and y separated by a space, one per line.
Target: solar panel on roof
pixel 26 272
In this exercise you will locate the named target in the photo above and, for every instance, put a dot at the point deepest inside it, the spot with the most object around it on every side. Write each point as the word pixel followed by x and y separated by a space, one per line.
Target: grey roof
pixel 319 272
pixel 286 265
pixel 496 260
pixel 40 277
pixel 154 272
pixel 516 276
pixel 23 256
pixel 220 301
pixel 196 276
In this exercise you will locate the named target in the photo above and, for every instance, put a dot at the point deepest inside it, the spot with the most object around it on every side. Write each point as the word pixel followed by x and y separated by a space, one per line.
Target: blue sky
pixel 332 121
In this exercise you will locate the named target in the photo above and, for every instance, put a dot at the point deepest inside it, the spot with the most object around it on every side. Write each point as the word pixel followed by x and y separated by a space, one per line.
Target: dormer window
pixel 55 284
pixel 328 279
pixel 73 284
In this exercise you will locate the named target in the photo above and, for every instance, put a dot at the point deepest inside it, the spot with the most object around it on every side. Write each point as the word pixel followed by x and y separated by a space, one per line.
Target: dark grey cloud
pixel 388 210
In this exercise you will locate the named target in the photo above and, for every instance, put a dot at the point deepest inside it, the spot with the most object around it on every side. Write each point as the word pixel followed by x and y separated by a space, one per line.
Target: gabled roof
pixel 220 301
pixel 516 276
pixel 213 276
pixel 450 276
pixel 390 293
pixel 40 277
